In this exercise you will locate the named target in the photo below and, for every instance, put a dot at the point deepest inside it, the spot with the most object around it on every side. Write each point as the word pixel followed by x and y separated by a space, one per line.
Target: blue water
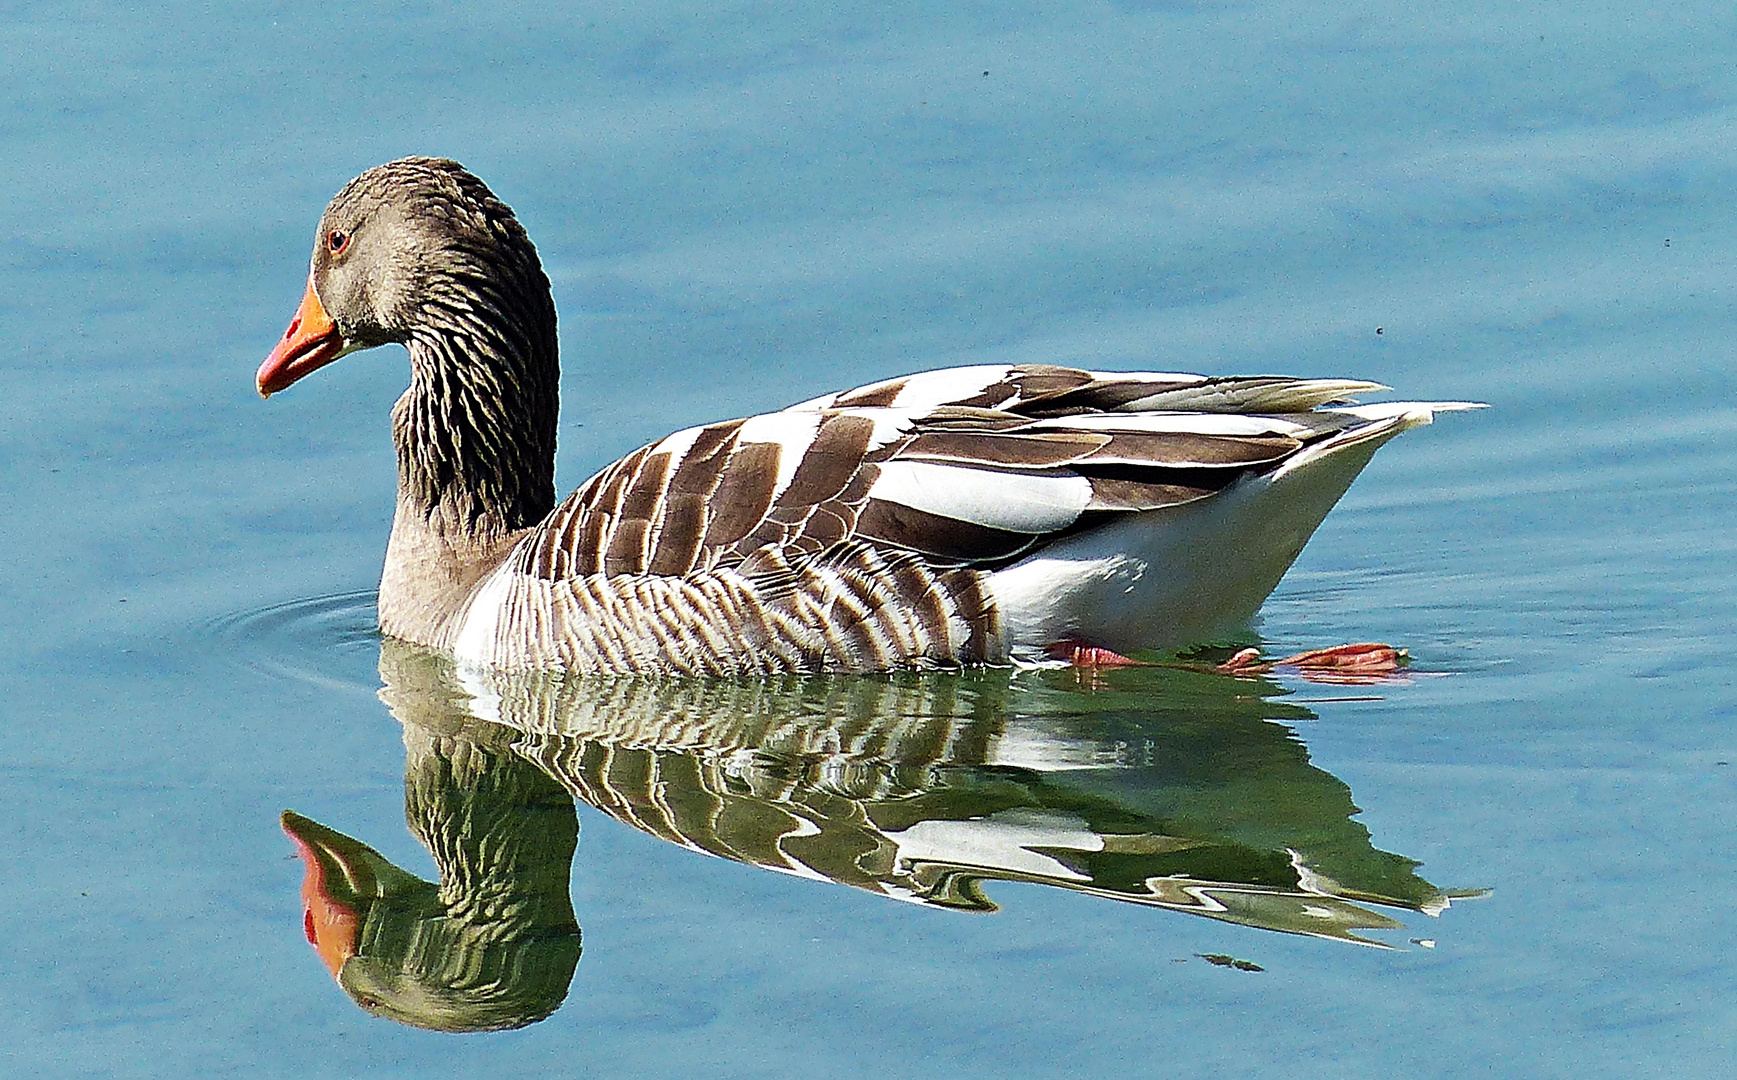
pixel 746 205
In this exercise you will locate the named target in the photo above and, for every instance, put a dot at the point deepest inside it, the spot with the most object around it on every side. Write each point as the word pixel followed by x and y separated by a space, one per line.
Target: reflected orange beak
pixel 332 926
pixel 311 342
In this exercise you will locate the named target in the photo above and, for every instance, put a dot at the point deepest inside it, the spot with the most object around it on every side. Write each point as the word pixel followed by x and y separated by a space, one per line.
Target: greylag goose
pixel 978 515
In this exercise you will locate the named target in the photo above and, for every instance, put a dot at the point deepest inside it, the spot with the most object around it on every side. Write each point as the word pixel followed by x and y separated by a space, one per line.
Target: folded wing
pixel 969 467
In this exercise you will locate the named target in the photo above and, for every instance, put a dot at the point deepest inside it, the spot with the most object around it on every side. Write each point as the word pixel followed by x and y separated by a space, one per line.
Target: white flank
pixel 1183 574
pixel 794 434
pixel 477 640
pixel 1024 502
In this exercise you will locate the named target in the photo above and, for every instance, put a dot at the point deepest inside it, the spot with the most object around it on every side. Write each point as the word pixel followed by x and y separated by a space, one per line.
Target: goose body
pixel 974 515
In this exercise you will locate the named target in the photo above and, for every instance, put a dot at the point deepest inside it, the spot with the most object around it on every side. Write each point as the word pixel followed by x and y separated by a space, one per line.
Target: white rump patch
pixel 1023 502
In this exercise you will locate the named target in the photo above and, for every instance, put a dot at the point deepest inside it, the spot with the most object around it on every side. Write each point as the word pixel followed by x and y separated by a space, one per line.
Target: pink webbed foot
pixel 1245 662
pixel 1363 663
pixel 1368 658
pixel 1082 655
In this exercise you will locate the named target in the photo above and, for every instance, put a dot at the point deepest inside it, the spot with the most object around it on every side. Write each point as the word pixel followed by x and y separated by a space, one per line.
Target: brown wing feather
pixel 1035 450
pixel 834 457
pixel 743 494
pixel 717 503
pixel 1190 450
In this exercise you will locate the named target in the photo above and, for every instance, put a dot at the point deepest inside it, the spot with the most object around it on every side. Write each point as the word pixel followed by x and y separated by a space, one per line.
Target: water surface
pixel 742 206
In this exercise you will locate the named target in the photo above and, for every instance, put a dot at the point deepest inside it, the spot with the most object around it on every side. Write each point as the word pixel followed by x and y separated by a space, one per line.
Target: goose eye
pixel 337 240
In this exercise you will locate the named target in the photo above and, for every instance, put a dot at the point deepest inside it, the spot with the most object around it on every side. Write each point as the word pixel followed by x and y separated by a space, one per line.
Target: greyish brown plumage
pixel 971 515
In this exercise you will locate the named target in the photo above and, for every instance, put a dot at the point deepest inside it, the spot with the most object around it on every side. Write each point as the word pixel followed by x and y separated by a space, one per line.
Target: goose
pixel 986 515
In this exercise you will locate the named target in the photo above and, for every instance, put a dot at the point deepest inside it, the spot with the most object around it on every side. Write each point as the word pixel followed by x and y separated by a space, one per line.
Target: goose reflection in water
pixel 1173 789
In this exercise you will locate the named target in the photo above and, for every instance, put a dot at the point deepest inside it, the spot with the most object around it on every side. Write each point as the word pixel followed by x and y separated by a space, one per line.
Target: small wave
pixel 331 641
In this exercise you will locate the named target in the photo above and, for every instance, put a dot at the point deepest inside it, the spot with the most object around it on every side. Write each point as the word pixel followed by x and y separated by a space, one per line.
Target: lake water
pixel 743 205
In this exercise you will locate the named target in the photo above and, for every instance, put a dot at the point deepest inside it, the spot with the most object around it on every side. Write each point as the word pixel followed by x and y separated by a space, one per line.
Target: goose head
pixel 414 250
pixel 420 252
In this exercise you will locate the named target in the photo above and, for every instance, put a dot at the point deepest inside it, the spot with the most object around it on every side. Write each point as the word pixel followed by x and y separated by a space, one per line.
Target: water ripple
pixel 329 641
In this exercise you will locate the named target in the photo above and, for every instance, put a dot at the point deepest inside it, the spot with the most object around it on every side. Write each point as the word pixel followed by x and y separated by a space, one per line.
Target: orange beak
pixel 335 890
pixel 311 342
pixel 331 925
